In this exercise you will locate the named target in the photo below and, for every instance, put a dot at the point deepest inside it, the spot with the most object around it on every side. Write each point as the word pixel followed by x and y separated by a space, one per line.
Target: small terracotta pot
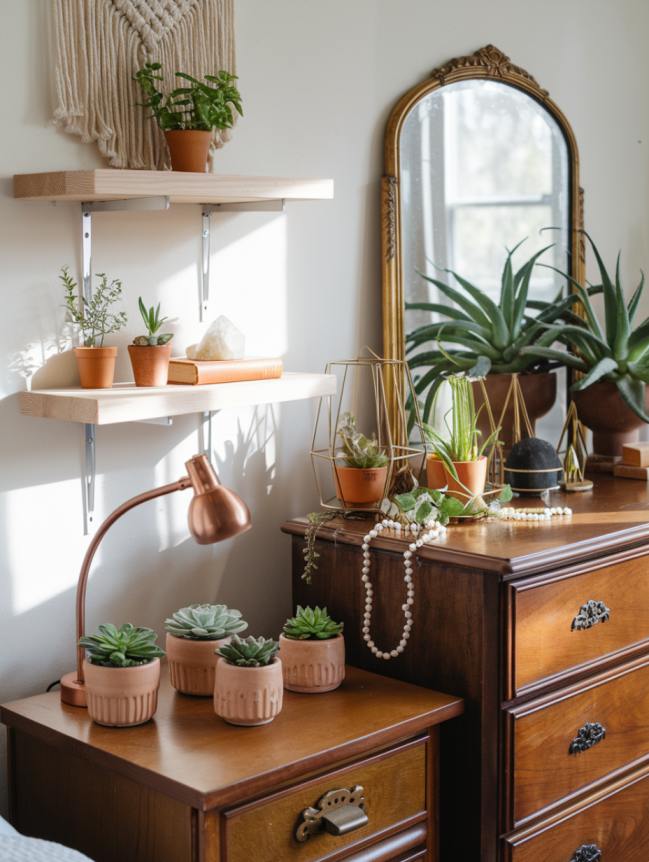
pixel 601 408
pixel 150 364
pixel 188 149
pixel 248 695
pixel 472 475
pixel 96 366
pixel 192 664
pixel 122 696
pixel 312 666
pixel 539 393
pixel 357 485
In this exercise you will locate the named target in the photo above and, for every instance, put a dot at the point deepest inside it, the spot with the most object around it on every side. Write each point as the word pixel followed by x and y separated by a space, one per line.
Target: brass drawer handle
pixel 590 734
pixel 337 812
pixel 587 853
pixel 590 614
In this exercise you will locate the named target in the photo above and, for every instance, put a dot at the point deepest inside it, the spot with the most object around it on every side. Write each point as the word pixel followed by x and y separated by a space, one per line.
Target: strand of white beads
pixel 431 530
pixel 508 513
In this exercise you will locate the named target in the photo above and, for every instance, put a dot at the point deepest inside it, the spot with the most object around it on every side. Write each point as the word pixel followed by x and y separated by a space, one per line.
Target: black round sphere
pixel 530 456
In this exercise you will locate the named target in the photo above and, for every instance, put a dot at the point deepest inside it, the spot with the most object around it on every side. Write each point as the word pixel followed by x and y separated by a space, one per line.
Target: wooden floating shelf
pixel 107 184
pixel 128 403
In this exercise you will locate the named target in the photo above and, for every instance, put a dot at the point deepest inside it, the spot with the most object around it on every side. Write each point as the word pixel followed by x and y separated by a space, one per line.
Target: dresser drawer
pixel 394 786
pixel 562 623
pixel 563 744
pixel 611 827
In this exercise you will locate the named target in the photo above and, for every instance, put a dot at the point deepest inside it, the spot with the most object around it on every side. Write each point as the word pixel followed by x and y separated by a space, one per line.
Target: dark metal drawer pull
pixel 591 614
pixel 587 853
pixel 337 812
pixel 590 734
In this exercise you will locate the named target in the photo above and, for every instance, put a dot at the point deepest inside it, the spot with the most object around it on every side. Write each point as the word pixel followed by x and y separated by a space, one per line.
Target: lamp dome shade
pixel 215 512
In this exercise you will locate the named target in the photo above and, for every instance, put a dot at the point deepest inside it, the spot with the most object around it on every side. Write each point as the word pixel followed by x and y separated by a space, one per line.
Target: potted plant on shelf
pixel 248 687
pixel 189 114
pixel 312 650
pixel 95 320
pixel 612 358
pixel 194 634
pixel 150 353
pixel 361 478
pixel 122 674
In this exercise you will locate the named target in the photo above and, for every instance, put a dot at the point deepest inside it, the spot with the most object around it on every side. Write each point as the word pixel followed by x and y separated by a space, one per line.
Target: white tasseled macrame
pixel 100 44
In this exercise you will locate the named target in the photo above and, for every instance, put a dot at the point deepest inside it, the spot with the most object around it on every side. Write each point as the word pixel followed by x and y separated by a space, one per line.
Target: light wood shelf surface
pixel 180 187
pixel 128 403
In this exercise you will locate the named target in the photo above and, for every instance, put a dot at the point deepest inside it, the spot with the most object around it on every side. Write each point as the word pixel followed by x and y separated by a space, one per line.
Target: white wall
pixel 318 80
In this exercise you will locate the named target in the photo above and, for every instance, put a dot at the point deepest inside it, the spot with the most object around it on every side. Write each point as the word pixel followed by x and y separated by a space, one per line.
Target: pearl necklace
pixel 433 530
pixel 508 513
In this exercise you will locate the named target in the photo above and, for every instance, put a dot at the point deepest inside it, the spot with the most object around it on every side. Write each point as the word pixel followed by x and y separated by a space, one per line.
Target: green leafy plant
pixel 425 504
pixel 202 106
pixel 309 552
pixel 126 646
pixel 205 622
pixel 311 624
pixel 93 316
pixel 357 449
pixel 615 350
pixel 153 323
pixel 249 652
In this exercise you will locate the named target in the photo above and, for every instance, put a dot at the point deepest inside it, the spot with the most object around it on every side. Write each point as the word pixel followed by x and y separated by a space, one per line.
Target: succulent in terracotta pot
pixel 194 634
pixel 360 467
pixel 122 674
pixel 150 353
pixel 248 687
pixel 312 650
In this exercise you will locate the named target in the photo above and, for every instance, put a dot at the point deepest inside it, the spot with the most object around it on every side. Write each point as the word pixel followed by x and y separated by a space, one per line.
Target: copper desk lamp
pixel 215 514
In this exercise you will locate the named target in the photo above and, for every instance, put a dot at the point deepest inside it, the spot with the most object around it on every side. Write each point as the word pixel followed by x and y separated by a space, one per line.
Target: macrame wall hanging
pixel 100 44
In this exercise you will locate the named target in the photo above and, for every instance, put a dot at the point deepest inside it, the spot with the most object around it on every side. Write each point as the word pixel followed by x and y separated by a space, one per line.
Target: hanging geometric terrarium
pixel 356 461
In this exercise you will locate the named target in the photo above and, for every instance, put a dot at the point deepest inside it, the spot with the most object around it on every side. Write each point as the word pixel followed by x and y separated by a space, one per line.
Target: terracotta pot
pixel 472 475
pixel 248 695
pixel 150 364
pixel 601 408
pixel 357 485
pixel 192 664
pixel 539 393
pixel 96 366
pixel 312 666
pixel 122 696
pixel 188 149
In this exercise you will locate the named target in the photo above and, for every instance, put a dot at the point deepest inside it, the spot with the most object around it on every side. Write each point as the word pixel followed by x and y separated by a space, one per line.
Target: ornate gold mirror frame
pixel 488 62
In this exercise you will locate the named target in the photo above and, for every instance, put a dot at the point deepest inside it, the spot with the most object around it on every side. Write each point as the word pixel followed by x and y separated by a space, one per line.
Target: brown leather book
pixel 202 371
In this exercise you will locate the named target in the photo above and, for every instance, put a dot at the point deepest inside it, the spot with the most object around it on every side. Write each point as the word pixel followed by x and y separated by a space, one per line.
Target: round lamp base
pixel 73 692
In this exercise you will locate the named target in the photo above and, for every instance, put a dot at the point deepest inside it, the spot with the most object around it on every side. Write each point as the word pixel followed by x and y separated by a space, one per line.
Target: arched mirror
pixel 477 159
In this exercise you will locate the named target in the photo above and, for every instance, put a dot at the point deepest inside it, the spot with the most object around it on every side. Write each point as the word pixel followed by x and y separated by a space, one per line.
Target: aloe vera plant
pixel 249 652
pixel 357 449
pixel 614 350
pixel 311 624
pixel 153 323
pixel 126 646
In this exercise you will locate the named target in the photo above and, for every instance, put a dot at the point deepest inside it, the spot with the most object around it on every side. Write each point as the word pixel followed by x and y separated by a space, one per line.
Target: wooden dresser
pixel 543 628
pixel 186 787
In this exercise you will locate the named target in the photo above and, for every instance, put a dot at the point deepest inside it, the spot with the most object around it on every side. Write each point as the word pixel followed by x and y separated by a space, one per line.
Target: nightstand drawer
pixel 563 623
pixel 562 744
pixel 394 790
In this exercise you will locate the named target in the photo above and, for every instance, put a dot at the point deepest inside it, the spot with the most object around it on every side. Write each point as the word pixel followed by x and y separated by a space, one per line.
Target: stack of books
pixel 634 463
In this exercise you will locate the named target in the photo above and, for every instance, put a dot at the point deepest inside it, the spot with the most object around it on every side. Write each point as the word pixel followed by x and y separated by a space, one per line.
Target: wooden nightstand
pixel 186 787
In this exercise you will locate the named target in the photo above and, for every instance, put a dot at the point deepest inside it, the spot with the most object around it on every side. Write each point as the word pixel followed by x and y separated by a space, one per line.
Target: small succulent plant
pixel 249 652
pixel 357 449
pixel 126 646
pixel 311 624
pixel 153 323
pixel 205 622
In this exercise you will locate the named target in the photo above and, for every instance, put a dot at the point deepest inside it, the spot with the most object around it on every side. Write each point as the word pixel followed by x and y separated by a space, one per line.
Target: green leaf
pixel 506 494
pixel 481 368
pixel 474 311
pixel 451 507
pixel 405 502
pixel 633 394
pixel 601 369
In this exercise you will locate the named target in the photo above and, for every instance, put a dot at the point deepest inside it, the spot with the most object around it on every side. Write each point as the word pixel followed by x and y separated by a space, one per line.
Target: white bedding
pixel 17 848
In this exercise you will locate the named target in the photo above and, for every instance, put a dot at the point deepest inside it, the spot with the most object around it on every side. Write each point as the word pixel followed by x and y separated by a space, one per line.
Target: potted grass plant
pixel 194 634
pixel 312 650
pixel 360 467
pixel 150 353
pixel 122 674
pixel 248 687
pixel 95 320
pixel 189 114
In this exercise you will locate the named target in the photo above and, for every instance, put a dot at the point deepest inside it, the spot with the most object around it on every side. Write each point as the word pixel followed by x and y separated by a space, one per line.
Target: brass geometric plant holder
pixel 496 454
pixel 575 454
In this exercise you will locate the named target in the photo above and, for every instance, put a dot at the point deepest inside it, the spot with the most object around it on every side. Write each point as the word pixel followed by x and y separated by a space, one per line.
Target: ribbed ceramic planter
pixel 192 664
pixel 312 666
pixel 248 695
pixel 122 696
pixel 357 485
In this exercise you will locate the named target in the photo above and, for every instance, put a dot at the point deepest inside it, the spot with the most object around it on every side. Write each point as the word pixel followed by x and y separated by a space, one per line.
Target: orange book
pixel 202 371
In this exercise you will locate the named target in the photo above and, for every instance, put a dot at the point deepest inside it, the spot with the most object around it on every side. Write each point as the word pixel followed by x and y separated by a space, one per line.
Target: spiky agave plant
pixel 153 323
pixel 205 622
pixel 126 646
pixel 249 652
pixel 311 624
pixel 614 350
